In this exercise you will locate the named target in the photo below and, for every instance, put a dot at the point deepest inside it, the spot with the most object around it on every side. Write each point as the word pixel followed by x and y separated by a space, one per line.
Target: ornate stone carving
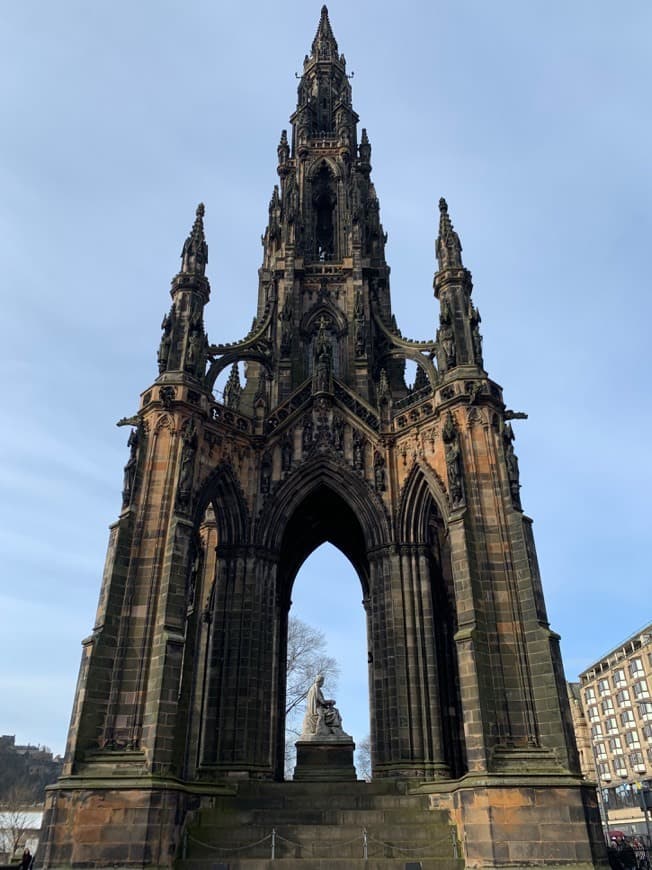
pixel 359 442
pixel 167 396
pixel 187 465
pixel 308 432
pixel 379 472
pixel 453 462
pixel 129 480
pixel 511 460
pixel 360 326
pixel 287 451
pixel 266 472
pixel 166 341
pixel 286 326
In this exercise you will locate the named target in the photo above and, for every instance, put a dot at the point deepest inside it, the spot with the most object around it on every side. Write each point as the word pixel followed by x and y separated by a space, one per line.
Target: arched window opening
pixel 326 601
pixel 324 200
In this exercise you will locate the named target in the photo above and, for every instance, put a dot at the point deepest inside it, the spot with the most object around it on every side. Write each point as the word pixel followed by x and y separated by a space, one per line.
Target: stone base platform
pixel 327 761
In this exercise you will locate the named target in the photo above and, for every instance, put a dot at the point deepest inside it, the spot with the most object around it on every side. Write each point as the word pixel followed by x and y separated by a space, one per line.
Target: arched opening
pixel 326 604
pixel 325 517
pixel 324 199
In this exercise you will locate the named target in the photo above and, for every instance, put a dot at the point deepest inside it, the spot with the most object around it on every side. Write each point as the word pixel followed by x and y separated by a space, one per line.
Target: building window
pixel 596 731
pixel 636 668
pixel 607 705
pixel 641 689
pixel 649 753
pixel 619 766
pixel 636 760
pixel 627 718
pixel 600 751
pixel 622 698
pixel 645 711
pixel 647 732
pixel 603 687
pixel 619 678
pixel 589 695
pixel 603 771
pixel 593 714
pixel 632 741
pixel 611 725
pixel 614 744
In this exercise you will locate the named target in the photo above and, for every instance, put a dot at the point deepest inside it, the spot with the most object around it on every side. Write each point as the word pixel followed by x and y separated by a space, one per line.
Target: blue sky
pixel 532 119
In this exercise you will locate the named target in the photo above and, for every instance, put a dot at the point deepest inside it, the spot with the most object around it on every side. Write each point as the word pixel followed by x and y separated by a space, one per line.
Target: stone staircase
pixel 320 826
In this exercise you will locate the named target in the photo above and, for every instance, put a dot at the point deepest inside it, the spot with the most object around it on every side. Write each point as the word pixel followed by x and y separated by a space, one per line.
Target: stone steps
pixel 317 826
pixel 327 864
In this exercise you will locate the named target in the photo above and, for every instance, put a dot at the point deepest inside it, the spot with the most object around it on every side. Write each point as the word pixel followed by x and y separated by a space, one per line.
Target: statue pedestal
pixel 325 760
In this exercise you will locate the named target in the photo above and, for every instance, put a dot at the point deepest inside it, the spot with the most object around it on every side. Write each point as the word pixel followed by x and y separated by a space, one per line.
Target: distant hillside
pixel 25 771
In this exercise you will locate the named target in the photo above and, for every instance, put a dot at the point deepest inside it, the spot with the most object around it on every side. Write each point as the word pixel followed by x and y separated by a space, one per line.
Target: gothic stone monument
pixel 182 682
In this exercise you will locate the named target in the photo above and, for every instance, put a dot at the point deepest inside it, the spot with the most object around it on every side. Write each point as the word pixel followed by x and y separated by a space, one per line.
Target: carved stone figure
pixel 511 460
pixel 167 395
pixel 130 468
pixel 286 326
pixel 166 342
pixel 322 718
pixel 308 431
pixel 453 462
pixel 358 451
pixel 266 472
pixel 338 432
pixel 188 451
pixel 447 339
pixel 379 472
pixel 287 451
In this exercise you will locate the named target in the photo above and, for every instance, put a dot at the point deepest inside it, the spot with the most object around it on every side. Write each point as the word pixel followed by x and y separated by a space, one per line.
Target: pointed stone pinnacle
pixel 194 255
pixel 324 45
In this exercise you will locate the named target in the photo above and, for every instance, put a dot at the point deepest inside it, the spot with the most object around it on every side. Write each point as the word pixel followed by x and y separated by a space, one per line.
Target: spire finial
pixel 194 255
pixel 324 45
pixel 449 247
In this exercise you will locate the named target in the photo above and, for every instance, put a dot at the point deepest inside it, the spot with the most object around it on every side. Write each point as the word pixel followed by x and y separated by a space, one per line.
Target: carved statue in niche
pixel 193 577
pixel 360 326
pixel 511 460
pixel 476 338
pixel 447 339
pixel 338 432
pixel 323 360
pixel 193 352
pixel 308 432
pixel 358 451
pixel 286 326
pixel 166 341
pixel 453 461
pixel 266 472
pixel 379 472
pixel 131 467
pixel 167 395
pixel 287 451
pixel 188 451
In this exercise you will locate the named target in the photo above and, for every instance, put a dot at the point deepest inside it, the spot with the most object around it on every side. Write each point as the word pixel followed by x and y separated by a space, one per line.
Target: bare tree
pixel 15 821
pixel 306 657
pixel 363 758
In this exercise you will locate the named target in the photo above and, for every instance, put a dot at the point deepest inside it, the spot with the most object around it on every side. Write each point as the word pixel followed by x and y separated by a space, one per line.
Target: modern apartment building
pixel 612 707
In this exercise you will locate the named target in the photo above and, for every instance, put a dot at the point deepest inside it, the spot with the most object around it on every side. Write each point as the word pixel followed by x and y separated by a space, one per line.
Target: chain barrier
pixel 364 837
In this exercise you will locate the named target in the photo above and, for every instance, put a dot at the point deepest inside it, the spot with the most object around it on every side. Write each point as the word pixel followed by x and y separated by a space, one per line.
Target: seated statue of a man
pixel 322 718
